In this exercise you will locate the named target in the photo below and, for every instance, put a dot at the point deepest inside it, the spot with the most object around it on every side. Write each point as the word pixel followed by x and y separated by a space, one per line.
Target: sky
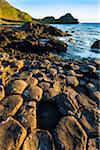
pixel 84 10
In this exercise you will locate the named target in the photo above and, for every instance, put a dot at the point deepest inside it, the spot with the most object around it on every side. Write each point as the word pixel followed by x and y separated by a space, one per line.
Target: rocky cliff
pixel 66 19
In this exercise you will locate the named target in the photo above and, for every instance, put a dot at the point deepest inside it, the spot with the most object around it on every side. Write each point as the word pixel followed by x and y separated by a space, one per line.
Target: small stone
pixel 25 75
pixel 11 71
pixel 75 67
pixel 15 86
pixel 32 81
pixel 44 85
pixel 92 68
pixel 71 73
pixel 33 93
pixel 12 134
pixel 20 63
pixel 1 68
pixel 93 144
pixel 72 80
pixel 53 71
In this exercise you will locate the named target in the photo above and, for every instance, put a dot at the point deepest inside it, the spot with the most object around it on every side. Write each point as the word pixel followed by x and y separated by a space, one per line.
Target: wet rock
pixel 39 140
pixel 68 33
pixel 10 105
pixel 33 93
pixel 92 68
pixel 2 92
pixel 96 45
pixel 72 80
pixel 97 62
pixel 15 86
pixel 58 45
pixel 69 134
pixel 72 41
pixel 12 134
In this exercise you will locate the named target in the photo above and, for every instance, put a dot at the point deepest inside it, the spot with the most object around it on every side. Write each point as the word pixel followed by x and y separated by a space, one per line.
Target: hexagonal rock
pixel 72 95
pixel 10 105
pixel 69 134
pixel 53 71
pixel 72 80
pixel 27 115
pixel 39 140
pixel 90 121
pixel 33 93
pixel 24 75
pixel 19 63
pixel 12 134
pixel 15 86
pixel 64 104
pixel 2 92
pixel 32 81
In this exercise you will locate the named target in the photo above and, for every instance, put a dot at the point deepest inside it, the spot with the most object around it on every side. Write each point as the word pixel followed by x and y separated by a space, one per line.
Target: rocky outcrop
pixel 96 45
pixel 33 37
pixel 66 19
pixel 47 102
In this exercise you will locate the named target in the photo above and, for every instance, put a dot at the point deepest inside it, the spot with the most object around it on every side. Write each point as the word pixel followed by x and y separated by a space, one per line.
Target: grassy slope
pixel 9 12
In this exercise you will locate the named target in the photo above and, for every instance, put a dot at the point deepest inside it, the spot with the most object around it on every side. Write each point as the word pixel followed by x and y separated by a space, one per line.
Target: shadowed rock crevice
pixel 48 116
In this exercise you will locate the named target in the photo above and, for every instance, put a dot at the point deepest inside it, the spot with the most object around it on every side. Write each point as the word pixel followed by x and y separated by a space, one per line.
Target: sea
pixel 83 35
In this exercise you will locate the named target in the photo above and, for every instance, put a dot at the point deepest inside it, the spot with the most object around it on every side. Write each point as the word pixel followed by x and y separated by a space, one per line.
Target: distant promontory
pixel 66 19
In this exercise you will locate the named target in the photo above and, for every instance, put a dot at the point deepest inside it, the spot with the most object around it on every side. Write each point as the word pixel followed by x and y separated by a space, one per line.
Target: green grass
pixel 9 12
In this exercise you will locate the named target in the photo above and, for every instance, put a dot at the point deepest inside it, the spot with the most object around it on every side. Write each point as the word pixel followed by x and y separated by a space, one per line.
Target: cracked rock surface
pixel 48 103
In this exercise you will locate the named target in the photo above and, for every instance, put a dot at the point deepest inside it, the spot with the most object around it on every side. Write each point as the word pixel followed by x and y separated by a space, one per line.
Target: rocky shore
pixel 33 37
pixel 48 103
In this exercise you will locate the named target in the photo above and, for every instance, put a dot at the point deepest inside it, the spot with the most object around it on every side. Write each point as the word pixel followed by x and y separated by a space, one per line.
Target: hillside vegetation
pixel 9 12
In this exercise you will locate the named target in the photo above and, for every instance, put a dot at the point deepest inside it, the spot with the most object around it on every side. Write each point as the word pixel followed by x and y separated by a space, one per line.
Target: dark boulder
pixel 67 19
pixel 96 45
pixel 58 45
